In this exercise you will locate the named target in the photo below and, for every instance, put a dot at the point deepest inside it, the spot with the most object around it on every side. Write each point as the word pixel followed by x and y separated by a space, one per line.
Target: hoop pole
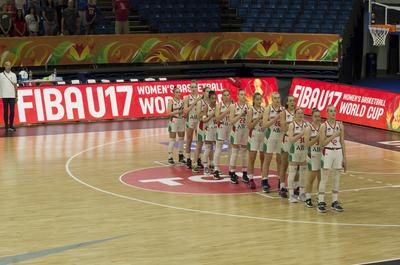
pixel 386 15
pixel 369 7
pixel 369 12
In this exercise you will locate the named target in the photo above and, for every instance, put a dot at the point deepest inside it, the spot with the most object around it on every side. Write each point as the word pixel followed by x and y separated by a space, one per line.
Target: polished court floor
pixel 65 200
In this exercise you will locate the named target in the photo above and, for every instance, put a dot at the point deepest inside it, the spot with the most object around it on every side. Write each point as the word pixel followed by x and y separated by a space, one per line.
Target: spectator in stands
pixel 9 7
pixel 70 20
pixel 36 5
pixel 5 24
pixel 81 6
pixel 50 18
pixel 121 11
pixel 32 21
pixel 20 4
pixel 19 24
pixel 90 17
pixel 60 5
pixel 7 14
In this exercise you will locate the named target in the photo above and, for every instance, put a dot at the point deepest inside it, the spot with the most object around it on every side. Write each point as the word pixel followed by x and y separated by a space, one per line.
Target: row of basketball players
pixel 309 151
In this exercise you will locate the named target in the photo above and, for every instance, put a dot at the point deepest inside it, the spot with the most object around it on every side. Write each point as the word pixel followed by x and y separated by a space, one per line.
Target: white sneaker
pixel 293 199
pixel 302 197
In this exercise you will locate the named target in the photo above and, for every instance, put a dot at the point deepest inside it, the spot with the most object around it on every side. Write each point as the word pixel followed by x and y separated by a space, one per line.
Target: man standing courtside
pixel 8 93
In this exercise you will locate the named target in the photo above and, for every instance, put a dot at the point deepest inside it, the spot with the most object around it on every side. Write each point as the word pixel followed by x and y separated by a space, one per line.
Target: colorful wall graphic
pixel 154 48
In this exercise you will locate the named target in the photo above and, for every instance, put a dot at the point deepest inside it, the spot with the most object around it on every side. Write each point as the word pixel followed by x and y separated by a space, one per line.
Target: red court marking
pixel 179 179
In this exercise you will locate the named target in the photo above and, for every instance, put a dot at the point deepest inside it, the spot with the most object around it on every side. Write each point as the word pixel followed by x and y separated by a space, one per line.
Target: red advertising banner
pixel 369 107
pixel 47 104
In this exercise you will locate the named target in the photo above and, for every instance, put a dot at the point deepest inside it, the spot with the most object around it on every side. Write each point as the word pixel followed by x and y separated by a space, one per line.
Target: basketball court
pixel 102 193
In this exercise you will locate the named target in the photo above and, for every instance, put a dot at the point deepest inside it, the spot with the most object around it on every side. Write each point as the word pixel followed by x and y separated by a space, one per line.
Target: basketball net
pixel 379 34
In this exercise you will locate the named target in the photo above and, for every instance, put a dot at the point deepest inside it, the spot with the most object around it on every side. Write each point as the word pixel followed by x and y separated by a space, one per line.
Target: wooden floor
pixel 62 189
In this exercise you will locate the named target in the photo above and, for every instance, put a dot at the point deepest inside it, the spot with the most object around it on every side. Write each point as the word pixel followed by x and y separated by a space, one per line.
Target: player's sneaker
pixel 182 159
pixel 252 184
pixel 283 193
pixel 195 169
pixel 336 206
pixel 293 199
pixel 297 191
pixel 309 203
pixel 245 178
pixel 171 161
pixel 199 164
pixel 322 207
pixel 206 171
pixel 217 175
pixel 302 197
pixel 234 178
pixel 265 185
pixel 212 168
pixel 189 163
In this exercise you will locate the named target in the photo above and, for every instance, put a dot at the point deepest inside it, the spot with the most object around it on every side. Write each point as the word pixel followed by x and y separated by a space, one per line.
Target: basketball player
pixel 201 105
pixel 223 130
pixel 273 139
pixel 311 138
pixel 190 111
pixel 286 117
pixel 239 136
pixel 256 135
pixel 333 159
pixel 210 129
pixel 176 125
pixel 297 155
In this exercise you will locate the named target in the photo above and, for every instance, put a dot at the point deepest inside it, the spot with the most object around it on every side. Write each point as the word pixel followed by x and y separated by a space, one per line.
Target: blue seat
pixel 272 29
pixel 318 16
pixel 258 28
pixel 314 26
pixel 313 31
pixel 299 30
pixel 301 25
pixel 247 28
pixel 242 12
pixel 234 3
pixel 286 29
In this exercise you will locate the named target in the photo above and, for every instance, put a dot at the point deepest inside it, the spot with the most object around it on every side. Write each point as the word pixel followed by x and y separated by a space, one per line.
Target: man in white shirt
pixel 8 93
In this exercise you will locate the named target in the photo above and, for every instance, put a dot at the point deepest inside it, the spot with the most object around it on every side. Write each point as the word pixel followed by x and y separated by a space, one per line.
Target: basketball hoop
pixel 380 32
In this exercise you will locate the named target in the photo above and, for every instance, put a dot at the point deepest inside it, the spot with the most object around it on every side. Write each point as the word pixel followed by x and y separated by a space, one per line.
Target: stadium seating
pixel 300 16
pixel 180 15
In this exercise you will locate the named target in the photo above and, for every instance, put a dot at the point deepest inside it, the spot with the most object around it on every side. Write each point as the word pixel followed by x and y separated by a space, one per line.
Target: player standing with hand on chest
pixel 333 158
pixel 273 138
pixel 256 135
pixel 223 130
pixel 239 136
pixel 176 125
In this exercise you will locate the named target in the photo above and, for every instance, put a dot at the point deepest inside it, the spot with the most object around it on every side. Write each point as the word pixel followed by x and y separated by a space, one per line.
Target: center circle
pixel 179 179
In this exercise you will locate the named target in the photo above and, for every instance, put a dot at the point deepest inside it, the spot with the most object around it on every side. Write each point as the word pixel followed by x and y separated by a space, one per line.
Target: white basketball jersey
pixel 223 108
pixel 212 123
pixel 193 113
pixel 256 114
pixel 177 105
pixel 275 128
pixel 314 133
pixel 330 129
pixel 299 129
pixel 241 123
